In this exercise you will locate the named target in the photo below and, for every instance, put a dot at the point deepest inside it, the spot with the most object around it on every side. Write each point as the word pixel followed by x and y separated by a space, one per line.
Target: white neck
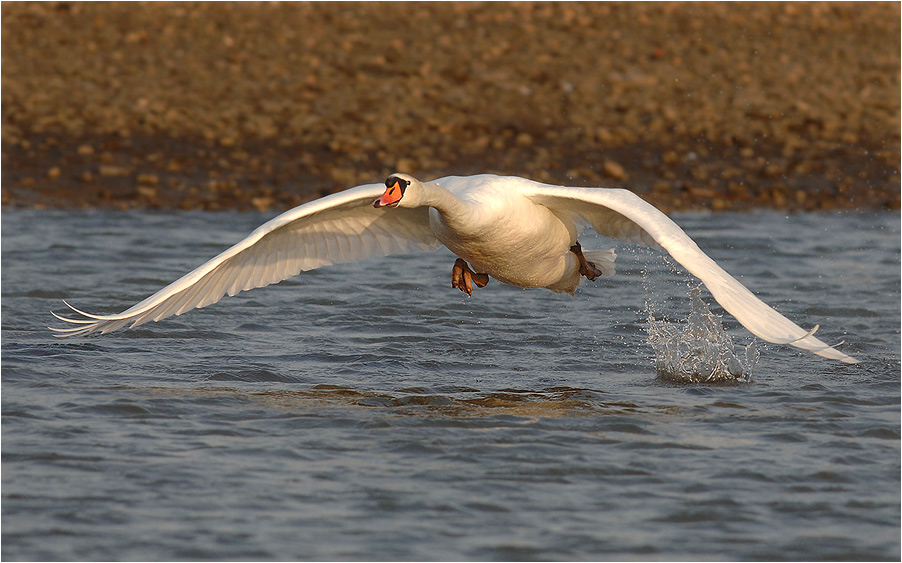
pixel 456 213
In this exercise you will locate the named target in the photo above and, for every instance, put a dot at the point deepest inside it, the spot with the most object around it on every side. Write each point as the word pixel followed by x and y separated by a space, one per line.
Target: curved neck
pixel 444 201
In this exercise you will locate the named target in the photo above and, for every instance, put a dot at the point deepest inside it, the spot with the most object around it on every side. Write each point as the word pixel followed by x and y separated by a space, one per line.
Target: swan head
pixel 396 187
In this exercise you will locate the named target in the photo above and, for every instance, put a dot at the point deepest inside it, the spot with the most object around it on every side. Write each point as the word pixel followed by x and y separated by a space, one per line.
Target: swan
pixel 518 231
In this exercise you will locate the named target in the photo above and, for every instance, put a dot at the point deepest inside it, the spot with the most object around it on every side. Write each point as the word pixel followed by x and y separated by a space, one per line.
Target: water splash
pixel 699 350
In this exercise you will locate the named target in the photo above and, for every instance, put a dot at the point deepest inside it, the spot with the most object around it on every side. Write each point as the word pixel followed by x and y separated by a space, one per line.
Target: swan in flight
pixel 515 230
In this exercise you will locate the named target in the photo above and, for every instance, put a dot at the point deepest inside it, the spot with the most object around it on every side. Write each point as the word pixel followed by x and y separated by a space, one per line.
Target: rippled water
pixel 369 411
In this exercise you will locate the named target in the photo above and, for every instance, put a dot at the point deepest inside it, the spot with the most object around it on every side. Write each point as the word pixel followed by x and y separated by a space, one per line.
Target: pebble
pixel 614 170
pixel 149 192
pixel 109 170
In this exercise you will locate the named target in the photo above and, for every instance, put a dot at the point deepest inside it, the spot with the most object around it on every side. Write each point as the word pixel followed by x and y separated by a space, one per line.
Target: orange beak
pixel 391 197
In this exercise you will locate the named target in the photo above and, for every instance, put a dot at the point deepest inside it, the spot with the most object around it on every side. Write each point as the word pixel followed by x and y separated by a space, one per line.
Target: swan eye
pixel 393 181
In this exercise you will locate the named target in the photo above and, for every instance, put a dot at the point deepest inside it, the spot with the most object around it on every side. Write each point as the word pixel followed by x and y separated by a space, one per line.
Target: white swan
pixel 515 230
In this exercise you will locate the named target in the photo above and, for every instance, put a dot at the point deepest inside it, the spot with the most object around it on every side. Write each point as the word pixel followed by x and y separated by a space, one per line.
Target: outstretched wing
pixel 341 227
pixel 623 215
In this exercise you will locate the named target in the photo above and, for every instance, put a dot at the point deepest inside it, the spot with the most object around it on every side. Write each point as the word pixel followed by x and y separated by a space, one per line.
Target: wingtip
pixel 85 314
pixel 83 326
pixel 825 351
pixel 833 353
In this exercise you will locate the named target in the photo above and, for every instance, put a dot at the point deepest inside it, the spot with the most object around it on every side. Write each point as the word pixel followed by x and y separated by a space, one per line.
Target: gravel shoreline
pixel 242 106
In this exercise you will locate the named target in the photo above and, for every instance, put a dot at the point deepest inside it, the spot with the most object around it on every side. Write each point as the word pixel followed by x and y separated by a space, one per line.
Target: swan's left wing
pixel 341 227
pixel 623 215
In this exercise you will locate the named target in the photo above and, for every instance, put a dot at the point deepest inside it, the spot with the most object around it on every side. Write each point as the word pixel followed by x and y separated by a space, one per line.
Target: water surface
pixel 369 411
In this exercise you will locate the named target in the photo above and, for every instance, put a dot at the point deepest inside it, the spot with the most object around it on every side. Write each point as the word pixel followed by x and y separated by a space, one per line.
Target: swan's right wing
pixel 623 215
pixel 341 227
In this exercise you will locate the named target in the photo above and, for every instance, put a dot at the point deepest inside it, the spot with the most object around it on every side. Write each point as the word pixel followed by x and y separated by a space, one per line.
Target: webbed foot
pixel 586 268
pixel 463 278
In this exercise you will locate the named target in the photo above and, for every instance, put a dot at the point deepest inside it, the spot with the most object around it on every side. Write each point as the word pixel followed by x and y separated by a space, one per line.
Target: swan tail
pixel 603 260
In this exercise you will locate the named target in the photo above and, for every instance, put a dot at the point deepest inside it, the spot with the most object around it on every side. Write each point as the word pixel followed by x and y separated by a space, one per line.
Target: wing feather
pixel 623 215
pixel 342 227
pixel 215 291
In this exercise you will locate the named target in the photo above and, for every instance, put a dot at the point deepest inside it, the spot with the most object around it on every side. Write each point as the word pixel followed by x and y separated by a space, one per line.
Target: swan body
pixel 501 232
pixel 515 230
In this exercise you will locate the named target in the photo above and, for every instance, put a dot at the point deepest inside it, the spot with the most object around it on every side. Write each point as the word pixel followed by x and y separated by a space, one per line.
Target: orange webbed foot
pixel 586 268
pixel 463 278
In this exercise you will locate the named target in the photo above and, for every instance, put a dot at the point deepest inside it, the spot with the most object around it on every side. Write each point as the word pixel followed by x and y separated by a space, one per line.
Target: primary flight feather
pixel 515 230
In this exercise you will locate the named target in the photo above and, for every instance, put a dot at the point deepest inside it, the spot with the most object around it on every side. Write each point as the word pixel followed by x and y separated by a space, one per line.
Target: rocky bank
pixel 267 105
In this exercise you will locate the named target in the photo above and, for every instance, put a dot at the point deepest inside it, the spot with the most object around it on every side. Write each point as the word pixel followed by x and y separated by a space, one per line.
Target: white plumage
pixel 515 230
